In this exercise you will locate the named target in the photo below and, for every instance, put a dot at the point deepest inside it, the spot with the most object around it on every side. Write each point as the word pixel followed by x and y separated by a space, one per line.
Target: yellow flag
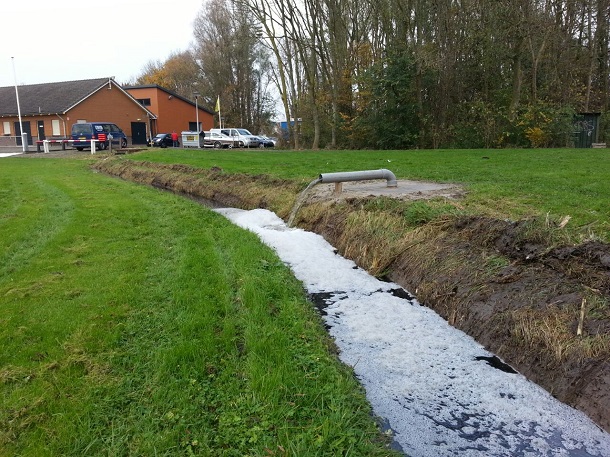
pixel 218 104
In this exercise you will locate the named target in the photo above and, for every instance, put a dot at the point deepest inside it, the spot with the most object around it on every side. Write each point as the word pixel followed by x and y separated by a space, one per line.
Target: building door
pixel 41 135
pixel 193 127
pixel 138 133
pixel 26 129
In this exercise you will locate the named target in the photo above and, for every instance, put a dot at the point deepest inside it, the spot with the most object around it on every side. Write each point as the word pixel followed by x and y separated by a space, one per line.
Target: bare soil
pixel 517 294
pixel 538 285
pixel 526 309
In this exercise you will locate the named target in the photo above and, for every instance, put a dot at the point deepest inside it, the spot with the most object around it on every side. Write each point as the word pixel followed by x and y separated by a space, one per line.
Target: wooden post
pixel 581 321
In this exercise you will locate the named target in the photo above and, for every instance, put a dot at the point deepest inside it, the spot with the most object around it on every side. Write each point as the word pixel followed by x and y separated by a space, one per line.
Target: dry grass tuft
pixel 20 419
pixel 237 190
pixel 552 330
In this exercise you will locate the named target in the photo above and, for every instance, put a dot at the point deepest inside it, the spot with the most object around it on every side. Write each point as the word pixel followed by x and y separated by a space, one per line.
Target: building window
pixel 55 126
pixel 7 127
pixel 144 101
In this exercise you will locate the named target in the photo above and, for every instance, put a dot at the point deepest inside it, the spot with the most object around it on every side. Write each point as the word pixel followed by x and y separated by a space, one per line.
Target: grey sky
pixel 66 40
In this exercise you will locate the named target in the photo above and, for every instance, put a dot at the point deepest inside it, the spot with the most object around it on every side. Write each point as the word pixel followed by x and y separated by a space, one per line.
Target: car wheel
pixel 101 145
pixel 230 146
pixel 123 143
pixel 79 149
pixel 217 145
pixel 261 145
pixel 163 145
pixel 241 144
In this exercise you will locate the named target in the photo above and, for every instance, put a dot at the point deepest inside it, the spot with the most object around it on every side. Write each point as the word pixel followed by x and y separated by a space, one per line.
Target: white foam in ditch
pixel 420 374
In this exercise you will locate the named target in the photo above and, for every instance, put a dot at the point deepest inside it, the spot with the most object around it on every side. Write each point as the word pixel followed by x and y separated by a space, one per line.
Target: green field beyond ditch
pixel 136 322
pixel 506 183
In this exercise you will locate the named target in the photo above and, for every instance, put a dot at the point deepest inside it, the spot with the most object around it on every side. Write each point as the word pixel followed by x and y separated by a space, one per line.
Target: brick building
pixel 48 110
pixel 172 111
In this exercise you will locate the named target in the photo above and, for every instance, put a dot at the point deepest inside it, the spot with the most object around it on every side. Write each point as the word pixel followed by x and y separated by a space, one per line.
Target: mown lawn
pixel 136 322
pixel 514 183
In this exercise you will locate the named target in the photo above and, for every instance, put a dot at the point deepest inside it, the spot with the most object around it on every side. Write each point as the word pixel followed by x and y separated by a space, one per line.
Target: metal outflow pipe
pixel 365 175
pixel 338 179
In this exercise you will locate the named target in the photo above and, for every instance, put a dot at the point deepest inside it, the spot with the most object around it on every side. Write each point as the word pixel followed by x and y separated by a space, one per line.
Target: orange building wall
pixel 33 120
pixel 64 125
pixel 105 105
pixel 108 105
pixel 172 113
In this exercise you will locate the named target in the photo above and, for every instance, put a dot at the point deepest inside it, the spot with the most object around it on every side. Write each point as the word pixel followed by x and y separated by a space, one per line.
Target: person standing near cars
pixel 175 139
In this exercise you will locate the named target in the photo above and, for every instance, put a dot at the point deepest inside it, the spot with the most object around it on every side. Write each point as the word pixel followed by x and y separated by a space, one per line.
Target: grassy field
pixel 503 183
pixel 135 322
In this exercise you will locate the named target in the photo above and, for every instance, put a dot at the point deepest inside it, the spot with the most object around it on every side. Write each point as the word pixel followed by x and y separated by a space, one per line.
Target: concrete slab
pixel 405 190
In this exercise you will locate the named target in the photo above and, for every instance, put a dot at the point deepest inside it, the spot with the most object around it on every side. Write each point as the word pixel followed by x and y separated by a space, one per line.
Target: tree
pixel 232 64
pixel 177 73
pixel 434 73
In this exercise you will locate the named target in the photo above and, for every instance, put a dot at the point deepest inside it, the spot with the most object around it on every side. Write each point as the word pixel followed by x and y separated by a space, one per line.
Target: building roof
pixel 169 92
pixel 52 98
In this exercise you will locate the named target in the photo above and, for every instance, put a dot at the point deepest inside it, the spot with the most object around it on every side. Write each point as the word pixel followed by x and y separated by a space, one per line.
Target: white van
pixel 241 136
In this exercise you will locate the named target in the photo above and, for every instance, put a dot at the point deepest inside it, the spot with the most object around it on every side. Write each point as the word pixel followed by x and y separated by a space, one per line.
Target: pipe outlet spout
pixel 364 175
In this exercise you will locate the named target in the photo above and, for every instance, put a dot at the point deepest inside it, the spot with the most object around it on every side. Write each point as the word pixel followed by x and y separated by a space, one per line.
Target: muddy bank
pixel 501 282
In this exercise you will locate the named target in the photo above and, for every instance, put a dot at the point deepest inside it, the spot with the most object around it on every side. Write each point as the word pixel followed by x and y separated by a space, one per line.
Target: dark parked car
pixel 100 132
pixel 162 140
pixel 266 142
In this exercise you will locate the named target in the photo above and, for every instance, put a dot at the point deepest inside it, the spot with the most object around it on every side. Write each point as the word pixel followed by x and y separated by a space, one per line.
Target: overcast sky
pixel 69 40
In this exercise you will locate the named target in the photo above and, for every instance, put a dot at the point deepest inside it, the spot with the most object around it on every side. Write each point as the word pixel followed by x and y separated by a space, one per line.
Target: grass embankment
pixel 501 183
pixel 504 263
pixel 136 322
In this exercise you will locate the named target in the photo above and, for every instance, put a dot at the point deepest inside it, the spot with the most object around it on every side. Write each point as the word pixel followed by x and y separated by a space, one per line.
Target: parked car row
pixel 104 132
pixel 237 138
pixel 219 139
pixel 242 137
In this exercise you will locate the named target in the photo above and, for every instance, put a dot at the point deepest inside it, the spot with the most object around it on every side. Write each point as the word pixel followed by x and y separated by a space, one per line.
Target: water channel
pixel 439 391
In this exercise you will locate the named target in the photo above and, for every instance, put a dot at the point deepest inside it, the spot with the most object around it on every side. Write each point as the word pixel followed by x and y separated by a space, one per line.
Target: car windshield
pixel 243 132
pixel 161 135
pixel 81 129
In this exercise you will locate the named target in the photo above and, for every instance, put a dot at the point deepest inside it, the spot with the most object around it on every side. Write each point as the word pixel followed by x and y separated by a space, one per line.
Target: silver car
pixel 218 140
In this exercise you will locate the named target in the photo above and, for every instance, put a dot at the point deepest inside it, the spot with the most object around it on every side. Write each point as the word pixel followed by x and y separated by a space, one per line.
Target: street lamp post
pixel 24 136
pixel 196 94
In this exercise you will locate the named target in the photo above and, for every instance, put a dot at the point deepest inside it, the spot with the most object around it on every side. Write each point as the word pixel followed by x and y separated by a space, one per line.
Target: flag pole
pixel 218 109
